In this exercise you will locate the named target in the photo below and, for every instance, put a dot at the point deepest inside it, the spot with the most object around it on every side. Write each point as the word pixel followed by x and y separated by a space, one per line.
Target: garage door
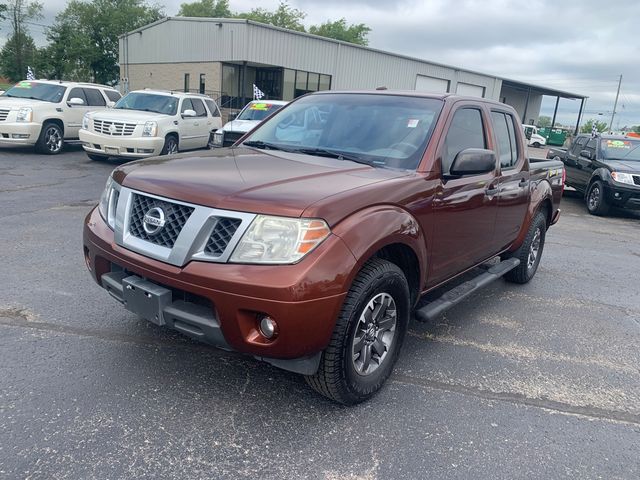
pixel 470 90
pixel 431 84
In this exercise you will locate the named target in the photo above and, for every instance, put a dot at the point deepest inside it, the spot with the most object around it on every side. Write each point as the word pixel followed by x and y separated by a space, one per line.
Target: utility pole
pixel 615 104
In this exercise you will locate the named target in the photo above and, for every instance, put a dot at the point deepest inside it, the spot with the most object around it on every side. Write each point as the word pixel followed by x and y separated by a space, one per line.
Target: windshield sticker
pixel 260 106
pixel 412 123
pixel 24 85
pixel 619 144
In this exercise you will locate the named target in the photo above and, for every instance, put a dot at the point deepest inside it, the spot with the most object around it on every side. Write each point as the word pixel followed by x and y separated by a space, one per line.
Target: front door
pixel 571 163
pixel 465 208
pixel 73 113
pixel 188 127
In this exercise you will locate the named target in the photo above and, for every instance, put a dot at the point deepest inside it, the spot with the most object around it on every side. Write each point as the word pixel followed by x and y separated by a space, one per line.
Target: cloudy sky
pixel 577 46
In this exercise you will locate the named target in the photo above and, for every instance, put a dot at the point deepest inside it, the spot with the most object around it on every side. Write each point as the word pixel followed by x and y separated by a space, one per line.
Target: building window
pixel 288 84
pixel 187 78
pixel 202 83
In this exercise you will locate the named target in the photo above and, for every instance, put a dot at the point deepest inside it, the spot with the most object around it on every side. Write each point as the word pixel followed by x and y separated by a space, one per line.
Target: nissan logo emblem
pixel 153 220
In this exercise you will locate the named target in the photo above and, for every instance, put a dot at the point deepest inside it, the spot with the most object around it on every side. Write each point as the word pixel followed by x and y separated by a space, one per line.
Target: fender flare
pixel 601 174
pixel 540 192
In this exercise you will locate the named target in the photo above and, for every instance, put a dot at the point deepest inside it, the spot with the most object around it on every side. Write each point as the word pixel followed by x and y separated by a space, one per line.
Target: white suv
pixel 44 113
pixel 150 122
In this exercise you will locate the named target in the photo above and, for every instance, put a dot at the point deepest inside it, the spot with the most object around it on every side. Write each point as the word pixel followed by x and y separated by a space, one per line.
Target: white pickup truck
pixel 251 115
pixel 534 139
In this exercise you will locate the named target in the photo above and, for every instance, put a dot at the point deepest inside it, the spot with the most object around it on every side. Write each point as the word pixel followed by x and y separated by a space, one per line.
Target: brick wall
pixel 170 76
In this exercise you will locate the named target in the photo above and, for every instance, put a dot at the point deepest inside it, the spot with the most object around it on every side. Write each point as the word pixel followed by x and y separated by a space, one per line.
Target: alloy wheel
pixel 53 139
pixel 594 198
pixel 534 250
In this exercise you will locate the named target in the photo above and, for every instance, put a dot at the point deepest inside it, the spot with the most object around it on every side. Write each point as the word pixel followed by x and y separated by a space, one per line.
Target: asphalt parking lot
pixel 533 381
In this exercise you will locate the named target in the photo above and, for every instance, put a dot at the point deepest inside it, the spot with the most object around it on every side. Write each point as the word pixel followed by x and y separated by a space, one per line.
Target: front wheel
pixel 51 139
pixel 597 203
pixel 530 251
pixel 536 144
pixel 170 145
pixel 367 337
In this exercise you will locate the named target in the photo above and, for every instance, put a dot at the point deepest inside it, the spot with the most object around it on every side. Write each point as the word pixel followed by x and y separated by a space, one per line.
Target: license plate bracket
pixel 145 298
pixel 112 150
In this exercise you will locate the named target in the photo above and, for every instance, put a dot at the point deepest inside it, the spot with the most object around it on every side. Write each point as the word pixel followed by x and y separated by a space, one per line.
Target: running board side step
pixel 454 296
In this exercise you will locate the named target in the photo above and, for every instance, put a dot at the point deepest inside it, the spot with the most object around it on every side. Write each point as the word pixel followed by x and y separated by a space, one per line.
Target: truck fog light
pixel 144 150
pixel 20 135
pixel 617 195
pixel 268 327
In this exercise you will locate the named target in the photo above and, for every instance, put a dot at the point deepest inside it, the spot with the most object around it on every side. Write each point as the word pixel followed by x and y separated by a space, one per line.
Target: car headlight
pixel 622 177
pixel 85 122
pixel 279 239
pixel 218 138
pixel 24 114
pixel 109 202
pixel 149 129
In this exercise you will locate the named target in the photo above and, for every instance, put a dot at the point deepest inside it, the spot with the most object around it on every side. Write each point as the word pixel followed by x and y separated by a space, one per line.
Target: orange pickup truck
pixel 309 243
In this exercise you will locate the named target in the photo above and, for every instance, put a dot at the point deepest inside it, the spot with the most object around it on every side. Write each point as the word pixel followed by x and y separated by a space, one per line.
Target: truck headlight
pixel 85 122
pixel 25 114
pixel 622 177
pixel 279 239
pixel 109 202
pixel 150 129
pixel 218 138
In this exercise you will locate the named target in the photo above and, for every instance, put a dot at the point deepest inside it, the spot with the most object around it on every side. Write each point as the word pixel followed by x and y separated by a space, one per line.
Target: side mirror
pixel 111 104
pixel 473 161
pixel 75 101
pixel 189 113
pixel 586 154
pixel 232 116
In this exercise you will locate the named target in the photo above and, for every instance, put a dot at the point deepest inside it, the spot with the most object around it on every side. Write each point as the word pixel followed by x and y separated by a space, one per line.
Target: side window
pixel 198 106
pixel 94 97
pixel 466 131
pixel 503 141
pixel 591 147
pixel 511 125
pixel 77 93
pixel 579 145
pixel 213 108
pixel 112 95
pixel 186 105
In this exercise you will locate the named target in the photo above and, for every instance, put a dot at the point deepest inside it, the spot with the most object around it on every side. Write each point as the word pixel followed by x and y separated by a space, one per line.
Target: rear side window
pixel 94 97
pixel 505 139
pixel 213 108
pixel 198 106
pixel 466 131
pixel 77 93
pixel 112 95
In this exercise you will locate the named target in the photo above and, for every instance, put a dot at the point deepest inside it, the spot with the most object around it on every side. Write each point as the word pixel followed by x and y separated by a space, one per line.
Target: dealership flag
pixel 30 74
pixel 257 93
pixel 594 130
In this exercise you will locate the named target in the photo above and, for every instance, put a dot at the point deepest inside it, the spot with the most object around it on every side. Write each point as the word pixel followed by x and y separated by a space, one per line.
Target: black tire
pixel 337 377
pixel 596 199
pixel 51 139
pixel 97 158
pixel 528 265
pixel 536 144
pixel 170 145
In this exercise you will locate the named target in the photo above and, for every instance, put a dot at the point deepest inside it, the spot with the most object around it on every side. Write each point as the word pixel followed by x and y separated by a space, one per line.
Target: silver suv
pixel 45 113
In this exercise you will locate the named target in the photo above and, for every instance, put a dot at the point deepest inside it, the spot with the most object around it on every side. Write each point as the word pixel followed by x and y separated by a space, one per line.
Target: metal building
pixel 226 57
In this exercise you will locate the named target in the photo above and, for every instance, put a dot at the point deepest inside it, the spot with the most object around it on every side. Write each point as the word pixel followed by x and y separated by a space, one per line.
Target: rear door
pixel 513 179
pixel 464 208
pixel 203 123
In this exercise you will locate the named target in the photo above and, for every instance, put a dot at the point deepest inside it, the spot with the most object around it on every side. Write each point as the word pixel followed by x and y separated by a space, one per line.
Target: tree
pixel 86 35
pixel 284 16
pixel 544 121
pixel 206 8
pixel 3 11
pixel 587 127
pixel 635 129
pixel 354 33
pixel 19 48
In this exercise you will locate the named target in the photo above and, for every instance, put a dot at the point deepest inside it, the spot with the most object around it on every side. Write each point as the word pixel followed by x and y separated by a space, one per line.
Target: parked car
pixel 145 123
pixel 533 136
pixel 605 169
pixel 45 113
pixel 311 250
pixel 250 116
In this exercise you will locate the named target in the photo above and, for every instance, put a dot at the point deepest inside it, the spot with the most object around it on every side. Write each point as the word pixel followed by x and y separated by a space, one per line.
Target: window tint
pixel 186 105
pixel 94 97
pixel 198 106
pixel 502 138
pixel 213 108
pixel 466 131
pixel 579 145
pixel 77 93
pixel 511 125
pixel 112 95
pixel 591 147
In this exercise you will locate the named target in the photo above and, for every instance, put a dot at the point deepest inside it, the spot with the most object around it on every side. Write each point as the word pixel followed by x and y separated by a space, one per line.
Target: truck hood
pixel 250 180
pixel 242 126
pixel 13 102
pixel 122 115
pixel 624 165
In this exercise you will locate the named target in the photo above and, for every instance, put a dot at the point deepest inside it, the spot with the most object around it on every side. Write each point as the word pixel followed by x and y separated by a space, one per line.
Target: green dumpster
pixel 554 136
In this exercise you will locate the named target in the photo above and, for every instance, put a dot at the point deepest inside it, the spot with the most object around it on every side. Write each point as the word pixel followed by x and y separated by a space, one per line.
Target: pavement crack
pixel 519 399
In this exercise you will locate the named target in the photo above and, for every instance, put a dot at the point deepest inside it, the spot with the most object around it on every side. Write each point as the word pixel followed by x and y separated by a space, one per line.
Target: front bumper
pixel 623 196
pixel 304 299
pixel 19 133
pixel 117 146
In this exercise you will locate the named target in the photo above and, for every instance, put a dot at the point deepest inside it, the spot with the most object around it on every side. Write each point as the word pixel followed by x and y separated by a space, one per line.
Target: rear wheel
pixel 367 337
pixel 597 203
pixel 51 139
pixel 170 145
pixel 537 144
pixel 530 251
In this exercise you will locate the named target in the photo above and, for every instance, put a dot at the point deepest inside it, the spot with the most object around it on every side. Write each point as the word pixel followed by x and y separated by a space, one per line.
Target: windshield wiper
pixel 323 152
pixel 265 145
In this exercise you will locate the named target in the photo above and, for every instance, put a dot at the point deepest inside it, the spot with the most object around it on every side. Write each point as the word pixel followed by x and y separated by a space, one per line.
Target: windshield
pixel 258 111
pixel 37 91
pixel 148 102
pixel 621 150
pixel 380 130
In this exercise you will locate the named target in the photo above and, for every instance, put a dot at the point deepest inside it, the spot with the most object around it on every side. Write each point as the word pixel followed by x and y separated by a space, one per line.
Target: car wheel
pixel 367 337
pixel 536 144
pixel 530 251
pixel 97 158
pixel 597 203
pixel 51 139
pixel 170 145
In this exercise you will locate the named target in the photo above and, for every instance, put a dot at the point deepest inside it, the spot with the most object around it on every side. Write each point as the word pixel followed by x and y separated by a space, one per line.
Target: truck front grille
pixel 118 129
pixel 221 236
pixel 232 137
pixel 636 179
pixel 175 216
pixel 3 115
